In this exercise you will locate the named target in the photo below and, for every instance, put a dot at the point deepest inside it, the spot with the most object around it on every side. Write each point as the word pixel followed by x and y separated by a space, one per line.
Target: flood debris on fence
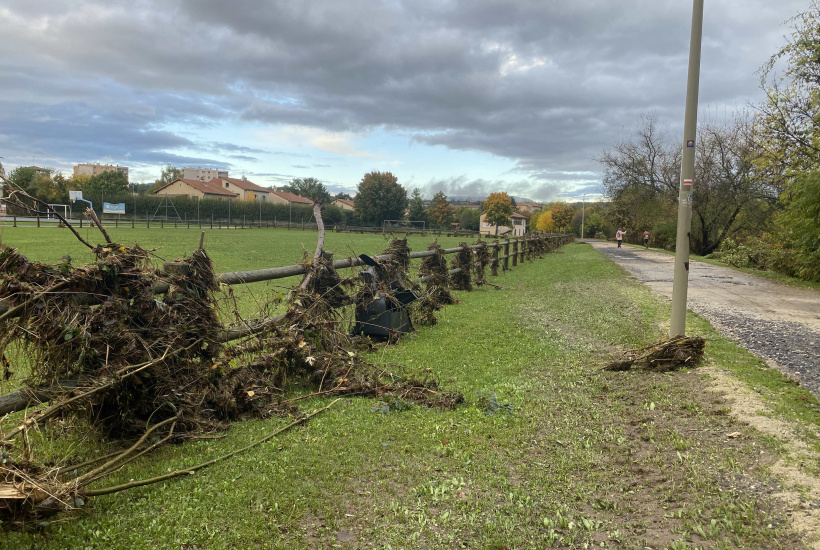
pixel 666 355
pixel 107 350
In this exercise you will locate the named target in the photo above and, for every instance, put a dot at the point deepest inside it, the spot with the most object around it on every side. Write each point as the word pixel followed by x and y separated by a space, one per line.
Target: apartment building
pixel 88 169
pixel 203 174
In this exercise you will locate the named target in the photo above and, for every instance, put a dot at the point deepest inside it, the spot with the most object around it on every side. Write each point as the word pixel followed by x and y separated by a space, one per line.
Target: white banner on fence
pixel 109 208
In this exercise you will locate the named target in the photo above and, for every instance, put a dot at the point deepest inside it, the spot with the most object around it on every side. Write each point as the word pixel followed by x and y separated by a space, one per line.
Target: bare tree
pixel 642 176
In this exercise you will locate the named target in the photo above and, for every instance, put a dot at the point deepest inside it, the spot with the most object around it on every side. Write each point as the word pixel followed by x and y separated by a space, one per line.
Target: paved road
pixel 779 323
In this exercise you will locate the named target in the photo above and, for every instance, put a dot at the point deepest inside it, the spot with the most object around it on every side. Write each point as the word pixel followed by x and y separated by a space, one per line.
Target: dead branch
pixel 191 470
pixel 61 405
pixel 18 203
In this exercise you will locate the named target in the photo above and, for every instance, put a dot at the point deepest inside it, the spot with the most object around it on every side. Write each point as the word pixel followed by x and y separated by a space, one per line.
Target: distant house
pixel 247 190
pixel 519 226
pixel 283 197
pixel 196 189
pixel 519 221
pixel 529 207
pixel 344 204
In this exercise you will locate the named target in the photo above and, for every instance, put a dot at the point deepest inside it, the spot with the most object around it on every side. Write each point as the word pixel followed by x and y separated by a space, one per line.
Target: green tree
pixel 801 217
pixel 42 183
pixel 788 123
pixel 562 215
pixel 497 208
pixel 342 195
pixel 440 211
pixel 109 183
pixel 168 174
pixel 309 188
pixel 23 178
pixel 416 207
pixel 380 198
pixel 468 218
pixel 788 142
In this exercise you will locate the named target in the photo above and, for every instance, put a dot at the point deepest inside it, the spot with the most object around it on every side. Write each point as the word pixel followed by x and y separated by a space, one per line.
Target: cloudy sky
pixel 464 96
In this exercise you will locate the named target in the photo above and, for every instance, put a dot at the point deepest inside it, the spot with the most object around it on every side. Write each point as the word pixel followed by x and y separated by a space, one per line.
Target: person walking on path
pixel 646 240
pixel 619 236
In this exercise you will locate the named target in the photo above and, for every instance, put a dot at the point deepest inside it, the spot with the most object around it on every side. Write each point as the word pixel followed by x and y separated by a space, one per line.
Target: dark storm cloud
pixel 547 85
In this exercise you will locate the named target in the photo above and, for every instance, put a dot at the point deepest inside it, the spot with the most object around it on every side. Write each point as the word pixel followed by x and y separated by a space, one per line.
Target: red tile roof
pixel 290 197
pixel 243 184
pixel 206 187
pixel 348 202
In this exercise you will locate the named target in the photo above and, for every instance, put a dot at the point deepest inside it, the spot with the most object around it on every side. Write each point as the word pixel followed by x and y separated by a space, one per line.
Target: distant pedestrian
pixel 646 240
pixel 619 236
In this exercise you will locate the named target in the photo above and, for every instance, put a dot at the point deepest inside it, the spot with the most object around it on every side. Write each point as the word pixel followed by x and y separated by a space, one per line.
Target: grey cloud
pixel 428 68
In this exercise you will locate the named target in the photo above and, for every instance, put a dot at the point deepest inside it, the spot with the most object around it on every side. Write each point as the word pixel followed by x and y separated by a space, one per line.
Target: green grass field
pixel 548 451
pixel 229 249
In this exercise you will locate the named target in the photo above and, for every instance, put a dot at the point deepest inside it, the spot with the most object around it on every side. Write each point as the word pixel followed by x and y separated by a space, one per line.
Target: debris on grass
pixel 666 355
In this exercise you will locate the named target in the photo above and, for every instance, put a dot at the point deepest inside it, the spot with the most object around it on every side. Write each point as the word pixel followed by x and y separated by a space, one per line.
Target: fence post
pixel 15 221
pixel 527 248
pixel 506 255
pixel 494 264
pixel 515 253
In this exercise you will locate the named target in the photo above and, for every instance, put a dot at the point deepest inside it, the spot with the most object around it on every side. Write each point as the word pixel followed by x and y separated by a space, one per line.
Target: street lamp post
pixel 680 284
pixel 583 209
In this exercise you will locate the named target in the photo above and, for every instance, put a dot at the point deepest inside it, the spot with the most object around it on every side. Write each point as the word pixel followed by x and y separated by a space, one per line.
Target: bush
pixel 753 253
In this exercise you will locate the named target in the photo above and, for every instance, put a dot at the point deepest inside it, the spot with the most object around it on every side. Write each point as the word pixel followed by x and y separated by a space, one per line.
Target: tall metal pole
pixel 583 209
pixel 680 285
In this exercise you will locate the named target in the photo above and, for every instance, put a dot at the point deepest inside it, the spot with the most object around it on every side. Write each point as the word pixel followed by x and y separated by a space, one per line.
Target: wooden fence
pixel 504 255
pixel 514 250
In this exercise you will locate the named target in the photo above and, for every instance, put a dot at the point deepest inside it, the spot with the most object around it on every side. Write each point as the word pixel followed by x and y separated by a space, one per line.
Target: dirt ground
pixel 780 324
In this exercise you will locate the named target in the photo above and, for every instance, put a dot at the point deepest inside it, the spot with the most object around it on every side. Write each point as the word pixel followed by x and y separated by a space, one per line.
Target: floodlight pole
pixel 680 285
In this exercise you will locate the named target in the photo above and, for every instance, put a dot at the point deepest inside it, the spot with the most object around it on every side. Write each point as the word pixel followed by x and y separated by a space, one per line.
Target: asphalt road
pixel 776 322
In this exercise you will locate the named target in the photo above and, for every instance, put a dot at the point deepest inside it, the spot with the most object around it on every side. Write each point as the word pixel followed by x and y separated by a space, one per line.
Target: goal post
pixel 398 226
pixel 63 209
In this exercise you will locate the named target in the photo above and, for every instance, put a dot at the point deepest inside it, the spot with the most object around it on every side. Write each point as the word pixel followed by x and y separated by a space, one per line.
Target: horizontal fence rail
pixel 270 274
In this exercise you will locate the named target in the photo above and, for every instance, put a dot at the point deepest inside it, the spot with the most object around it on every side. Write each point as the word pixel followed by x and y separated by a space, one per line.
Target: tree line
pixel 379 197
pixel 756 192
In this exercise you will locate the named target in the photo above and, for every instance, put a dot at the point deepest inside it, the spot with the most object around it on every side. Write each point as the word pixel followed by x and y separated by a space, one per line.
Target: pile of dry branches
pixel 667 355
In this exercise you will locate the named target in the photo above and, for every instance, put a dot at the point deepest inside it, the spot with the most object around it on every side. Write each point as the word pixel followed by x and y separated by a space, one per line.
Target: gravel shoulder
pixel 778 323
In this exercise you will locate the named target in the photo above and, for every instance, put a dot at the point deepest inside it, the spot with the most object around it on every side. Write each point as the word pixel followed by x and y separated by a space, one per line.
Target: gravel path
pixel 778 323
